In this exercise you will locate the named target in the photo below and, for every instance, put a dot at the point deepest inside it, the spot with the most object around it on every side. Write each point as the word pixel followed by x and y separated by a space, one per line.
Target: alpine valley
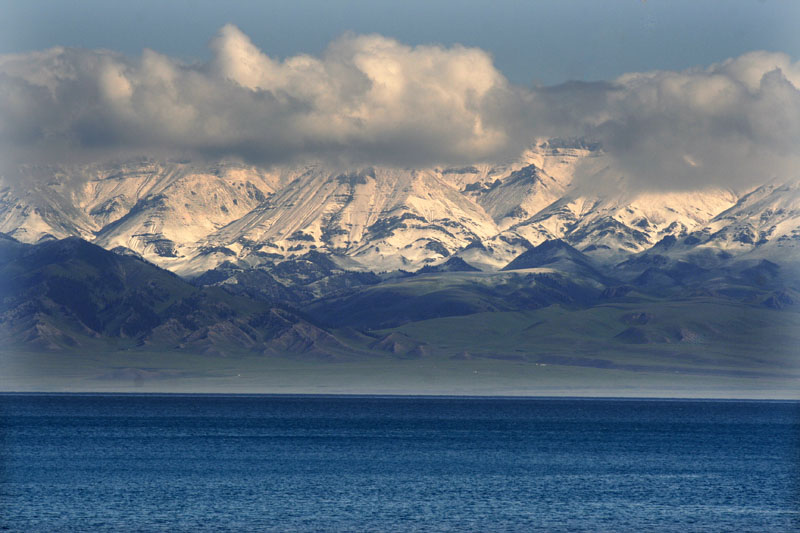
pixel 543 275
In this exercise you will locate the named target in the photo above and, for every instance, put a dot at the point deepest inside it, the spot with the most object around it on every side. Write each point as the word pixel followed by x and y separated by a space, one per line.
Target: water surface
pixel 221 463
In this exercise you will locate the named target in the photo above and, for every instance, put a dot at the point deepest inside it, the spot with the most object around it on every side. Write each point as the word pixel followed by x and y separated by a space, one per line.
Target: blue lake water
pixel 242 463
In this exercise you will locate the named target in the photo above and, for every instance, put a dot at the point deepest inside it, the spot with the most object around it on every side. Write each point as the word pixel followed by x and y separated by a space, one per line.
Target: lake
pixel 316 463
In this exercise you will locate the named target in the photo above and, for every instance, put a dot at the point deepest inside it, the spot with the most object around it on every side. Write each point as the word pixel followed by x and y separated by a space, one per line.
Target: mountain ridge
pixel 191 218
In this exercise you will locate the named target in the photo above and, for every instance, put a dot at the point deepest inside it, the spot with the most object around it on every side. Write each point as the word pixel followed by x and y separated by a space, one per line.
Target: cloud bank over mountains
pixel 370 100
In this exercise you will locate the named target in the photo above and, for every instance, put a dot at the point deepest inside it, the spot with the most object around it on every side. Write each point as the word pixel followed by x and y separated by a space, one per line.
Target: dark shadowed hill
pixel 558 255
pixel 70 294
pixel 454 264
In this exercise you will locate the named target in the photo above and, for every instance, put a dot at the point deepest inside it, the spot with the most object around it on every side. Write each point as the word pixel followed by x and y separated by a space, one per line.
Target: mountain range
pixel 543 260
pixel 190 218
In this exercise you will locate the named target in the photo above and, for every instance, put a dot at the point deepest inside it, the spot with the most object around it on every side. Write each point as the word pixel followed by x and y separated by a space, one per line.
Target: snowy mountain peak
pixel 190 217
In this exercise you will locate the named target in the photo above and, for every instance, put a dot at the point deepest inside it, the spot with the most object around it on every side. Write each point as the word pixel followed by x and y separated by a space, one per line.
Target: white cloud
pixel 368 99
pixel 371 100
pixel 734 123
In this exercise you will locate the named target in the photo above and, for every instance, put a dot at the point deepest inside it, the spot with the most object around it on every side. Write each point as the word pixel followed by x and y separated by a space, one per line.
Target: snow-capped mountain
pixel 762 224
pixel 380 218
pixel 38 205
pixel 155 209
pixel 190 217
pixel 606 224
pixel 542 175
pixel 162 212
pixel 624 223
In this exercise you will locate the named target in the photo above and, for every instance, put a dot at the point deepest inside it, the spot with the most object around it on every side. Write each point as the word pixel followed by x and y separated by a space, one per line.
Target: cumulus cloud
pixel 367 99
pixel 372 100
pixel 735 123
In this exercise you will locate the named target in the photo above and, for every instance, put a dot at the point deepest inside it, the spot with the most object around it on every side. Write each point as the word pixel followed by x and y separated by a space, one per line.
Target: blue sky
pixel 531 42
